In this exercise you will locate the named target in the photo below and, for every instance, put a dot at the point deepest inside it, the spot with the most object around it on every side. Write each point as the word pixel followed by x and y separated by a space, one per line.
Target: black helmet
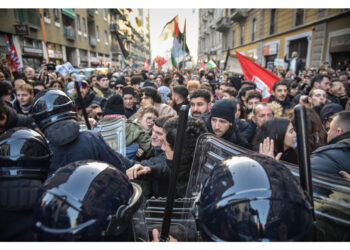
pixel 253 199
pixel 50 106
pixel 87 201
pixel 24 153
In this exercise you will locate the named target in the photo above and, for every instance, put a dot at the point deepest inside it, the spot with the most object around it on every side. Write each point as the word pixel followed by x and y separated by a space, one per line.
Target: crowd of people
pixel 221 103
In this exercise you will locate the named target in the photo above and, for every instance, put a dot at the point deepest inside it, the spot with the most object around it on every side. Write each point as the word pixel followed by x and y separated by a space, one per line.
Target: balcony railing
pixel 90 13
pixel 29 16
pixel 239 14
pixel 92 40
pixel 223 24
pixel 69 32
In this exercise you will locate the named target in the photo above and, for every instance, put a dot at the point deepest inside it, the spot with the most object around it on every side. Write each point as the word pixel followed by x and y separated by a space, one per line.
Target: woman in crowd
pixel 277 138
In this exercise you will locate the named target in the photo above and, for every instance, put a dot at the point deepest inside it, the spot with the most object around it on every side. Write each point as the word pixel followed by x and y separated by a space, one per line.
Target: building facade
pixel 320 36
pixel 84 37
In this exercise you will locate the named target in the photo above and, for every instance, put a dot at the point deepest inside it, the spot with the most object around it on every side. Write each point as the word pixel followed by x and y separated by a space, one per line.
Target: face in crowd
pixel 157 136
pixel 319 96
pixel 84 89
pixel 252 103
pixel 129 101
pixel 118 89
pixel 24 97
pixel 199 106
pixel 290 137
pixel 324 84
pixel 262 114
pixel 103 82
pixel 280 93
pixel 220 126
pixel 147 120
pixel 337 89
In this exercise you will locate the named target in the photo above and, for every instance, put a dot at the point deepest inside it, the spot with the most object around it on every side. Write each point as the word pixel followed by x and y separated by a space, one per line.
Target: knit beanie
pixel 224 109
pixel 114 105
pixel 329 109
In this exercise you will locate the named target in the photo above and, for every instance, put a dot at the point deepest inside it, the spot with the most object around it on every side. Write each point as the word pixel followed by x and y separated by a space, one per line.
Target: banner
pixel 263 78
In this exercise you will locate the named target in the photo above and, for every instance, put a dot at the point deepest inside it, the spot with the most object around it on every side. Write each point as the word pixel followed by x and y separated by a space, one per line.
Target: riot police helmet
pixel 50 106
pixel 87 201
pixel 253 198
pixel 24 154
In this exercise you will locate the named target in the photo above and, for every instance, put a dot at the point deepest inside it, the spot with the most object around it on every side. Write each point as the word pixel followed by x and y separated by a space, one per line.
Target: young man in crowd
pixel 280 94
pixel 102 85
pixel 24 96
pixel 200 101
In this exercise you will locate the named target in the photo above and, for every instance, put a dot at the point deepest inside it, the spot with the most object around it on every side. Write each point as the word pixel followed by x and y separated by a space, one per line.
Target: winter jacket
pixel 107 92
pixel 286 104
pixel 134 134
pixel 235 134
pixel 334 157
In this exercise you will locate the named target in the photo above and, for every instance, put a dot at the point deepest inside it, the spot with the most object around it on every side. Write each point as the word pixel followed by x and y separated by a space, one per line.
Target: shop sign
pixel 33 52
pixel 22 30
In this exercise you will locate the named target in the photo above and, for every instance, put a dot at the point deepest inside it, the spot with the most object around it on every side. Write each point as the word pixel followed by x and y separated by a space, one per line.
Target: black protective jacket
pixel 68 145
pixel 286 104
pixel 17 120
pixel 334 157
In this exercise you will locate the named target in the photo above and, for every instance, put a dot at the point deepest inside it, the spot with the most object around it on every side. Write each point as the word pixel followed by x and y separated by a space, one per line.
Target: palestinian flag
pixel 170 29
pixel 211 64
pixel 202 67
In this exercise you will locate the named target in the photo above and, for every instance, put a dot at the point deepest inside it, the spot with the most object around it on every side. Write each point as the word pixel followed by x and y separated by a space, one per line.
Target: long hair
pixel 274 128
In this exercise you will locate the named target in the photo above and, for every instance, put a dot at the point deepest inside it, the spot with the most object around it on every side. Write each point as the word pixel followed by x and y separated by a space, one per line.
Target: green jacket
pixel 134 133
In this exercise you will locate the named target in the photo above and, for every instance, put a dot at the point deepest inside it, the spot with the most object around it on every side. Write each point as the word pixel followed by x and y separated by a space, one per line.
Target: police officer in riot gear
pixel 24 165
pixel 54 113
pixel 253 199
pixel 90 201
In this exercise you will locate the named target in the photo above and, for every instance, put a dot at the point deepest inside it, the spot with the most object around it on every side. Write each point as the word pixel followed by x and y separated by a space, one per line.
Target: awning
pixel 69 13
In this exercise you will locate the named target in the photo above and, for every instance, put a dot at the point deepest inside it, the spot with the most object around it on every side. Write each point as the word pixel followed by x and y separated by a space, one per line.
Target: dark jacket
pixel 183 173
pixel 107 92
pixel 90 98
pixel 334 157
pixel 333 98
pixel 178 106
pixel 159 175
pixel 68 145
pixel 298 64
pixel 239 133
pixel 17 120
pixel 130 112
pixel 286 104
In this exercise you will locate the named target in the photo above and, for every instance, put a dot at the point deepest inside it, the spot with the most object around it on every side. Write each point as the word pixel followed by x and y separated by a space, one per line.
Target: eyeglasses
pixel 118 87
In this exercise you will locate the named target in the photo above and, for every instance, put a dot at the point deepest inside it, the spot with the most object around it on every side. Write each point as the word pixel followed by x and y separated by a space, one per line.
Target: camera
pixel 51 66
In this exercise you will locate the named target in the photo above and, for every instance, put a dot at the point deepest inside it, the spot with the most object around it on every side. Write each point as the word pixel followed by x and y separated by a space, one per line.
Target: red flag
pixel 202 67
pixel 263 78
pixel 146 65
pixel 13 60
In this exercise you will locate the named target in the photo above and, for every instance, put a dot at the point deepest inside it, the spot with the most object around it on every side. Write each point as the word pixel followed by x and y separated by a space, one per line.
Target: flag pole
pixel 44 33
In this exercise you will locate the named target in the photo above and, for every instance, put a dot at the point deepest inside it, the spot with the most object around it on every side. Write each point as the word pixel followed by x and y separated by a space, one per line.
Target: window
pixel 299 17
pixel 84 26
pixel 105 14
pixel 242 34
pixel 78 23
pixel 233 37
pixel 272 21
pixel 56 15
pixel 106 38
pixel 97 33
pixel 46 13
pixel 253 28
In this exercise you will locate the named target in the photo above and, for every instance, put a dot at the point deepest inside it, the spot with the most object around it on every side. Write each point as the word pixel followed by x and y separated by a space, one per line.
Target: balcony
pixel 90 14
pixel 69 32
pixel 29 16
pixel 92 41
pixel 223 24
pixel 239 14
